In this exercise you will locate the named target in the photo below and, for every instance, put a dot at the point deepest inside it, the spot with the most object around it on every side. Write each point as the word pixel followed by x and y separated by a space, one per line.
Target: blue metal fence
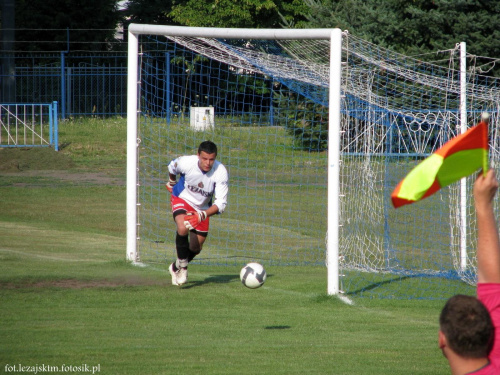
pixel 96 85
pixel 29 125
pixel 82 84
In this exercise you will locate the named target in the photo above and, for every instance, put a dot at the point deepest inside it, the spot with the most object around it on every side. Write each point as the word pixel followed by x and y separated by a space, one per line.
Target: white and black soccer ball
pixel 253 275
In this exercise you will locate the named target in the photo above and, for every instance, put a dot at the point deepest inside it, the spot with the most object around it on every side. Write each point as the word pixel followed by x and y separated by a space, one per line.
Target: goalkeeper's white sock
pixel 181 263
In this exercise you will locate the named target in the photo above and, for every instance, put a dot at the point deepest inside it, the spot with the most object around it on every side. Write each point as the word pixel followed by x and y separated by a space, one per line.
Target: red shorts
pixel 180 206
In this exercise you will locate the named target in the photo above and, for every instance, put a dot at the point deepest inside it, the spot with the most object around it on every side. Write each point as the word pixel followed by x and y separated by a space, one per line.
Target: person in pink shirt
pixel 467 324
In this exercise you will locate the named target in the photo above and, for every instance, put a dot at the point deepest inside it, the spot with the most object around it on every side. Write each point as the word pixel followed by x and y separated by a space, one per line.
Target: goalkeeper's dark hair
pixel 207 146
pixel 467 325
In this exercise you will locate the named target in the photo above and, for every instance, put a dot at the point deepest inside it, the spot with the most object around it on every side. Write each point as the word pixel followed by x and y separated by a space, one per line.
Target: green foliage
pixel 225 13
pixel 219 13
pixel 306 121
pixel 190 66
pixel 293 13
pixel 41 24
pixel 415 27
pixel 149 12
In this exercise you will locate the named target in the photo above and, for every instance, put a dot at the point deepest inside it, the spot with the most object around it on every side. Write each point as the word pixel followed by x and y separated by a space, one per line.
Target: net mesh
pixel 270 105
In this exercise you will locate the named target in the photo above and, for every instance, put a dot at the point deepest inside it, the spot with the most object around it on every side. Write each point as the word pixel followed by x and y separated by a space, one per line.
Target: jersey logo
pixel 198 190
pixel 200 185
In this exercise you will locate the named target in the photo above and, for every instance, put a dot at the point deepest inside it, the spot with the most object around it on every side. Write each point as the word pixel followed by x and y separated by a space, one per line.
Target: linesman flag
pixel 457 158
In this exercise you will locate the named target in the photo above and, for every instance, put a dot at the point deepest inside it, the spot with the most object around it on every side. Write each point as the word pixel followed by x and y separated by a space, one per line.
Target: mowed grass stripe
pixel 95 308
pixel 73 246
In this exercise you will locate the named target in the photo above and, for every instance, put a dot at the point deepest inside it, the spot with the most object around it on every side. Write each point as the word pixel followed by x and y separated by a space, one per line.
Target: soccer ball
pixel 253 275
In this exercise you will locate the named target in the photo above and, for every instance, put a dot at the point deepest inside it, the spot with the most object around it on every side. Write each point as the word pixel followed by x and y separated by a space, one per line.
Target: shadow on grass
pixel 213 279
pixel 379 284
pixel 278 327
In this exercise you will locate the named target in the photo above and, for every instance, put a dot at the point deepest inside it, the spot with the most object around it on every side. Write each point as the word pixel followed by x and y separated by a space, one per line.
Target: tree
pixel 41 25
pixel 7 63
pixel 415 27
pixel 218 13
pixel 149 12
pixel 229 13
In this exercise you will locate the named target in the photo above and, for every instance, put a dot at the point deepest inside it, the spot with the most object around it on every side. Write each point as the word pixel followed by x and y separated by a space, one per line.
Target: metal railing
pixel 29 125
pixel 83 85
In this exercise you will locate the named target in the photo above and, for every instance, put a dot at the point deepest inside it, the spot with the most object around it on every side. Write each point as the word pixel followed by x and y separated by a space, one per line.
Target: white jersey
pixel 199 188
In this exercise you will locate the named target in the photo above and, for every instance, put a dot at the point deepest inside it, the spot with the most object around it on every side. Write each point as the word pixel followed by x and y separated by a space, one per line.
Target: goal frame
pixel 335 37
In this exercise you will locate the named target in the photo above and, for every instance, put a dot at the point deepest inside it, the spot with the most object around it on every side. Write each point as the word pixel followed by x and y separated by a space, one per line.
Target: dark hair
pixel 207 146
pixel 467 325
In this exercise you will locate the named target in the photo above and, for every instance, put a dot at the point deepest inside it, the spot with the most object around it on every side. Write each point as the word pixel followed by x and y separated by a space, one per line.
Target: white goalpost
pixel 316 128
pixel 335 38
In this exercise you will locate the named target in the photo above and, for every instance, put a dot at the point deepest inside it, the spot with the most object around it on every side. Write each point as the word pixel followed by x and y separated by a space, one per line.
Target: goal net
pixel 265 100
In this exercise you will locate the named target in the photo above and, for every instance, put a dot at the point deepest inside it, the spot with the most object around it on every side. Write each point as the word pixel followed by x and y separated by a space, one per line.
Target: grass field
pixel 69 298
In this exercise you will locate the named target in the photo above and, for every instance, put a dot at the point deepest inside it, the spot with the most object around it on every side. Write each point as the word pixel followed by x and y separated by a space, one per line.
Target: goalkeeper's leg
pixel 196 241
pixel 178 269
pixel 186 251
pixel 188 243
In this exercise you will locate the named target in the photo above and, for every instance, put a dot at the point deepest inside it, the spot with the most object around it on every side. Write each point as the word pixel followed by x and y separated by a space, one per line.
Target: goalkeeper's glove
pixel 194 218
pixel 170 185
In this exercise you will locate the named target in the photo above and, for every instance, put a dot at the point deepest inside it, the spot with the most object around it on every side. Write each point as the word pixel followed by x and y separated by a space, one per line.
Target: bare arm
pixel 212 210
pixel 488 243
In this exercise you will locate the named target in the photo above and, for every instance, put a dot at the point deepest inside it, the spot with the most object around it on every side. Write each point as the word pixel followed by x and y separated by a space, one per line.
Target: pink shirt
pixel 489 295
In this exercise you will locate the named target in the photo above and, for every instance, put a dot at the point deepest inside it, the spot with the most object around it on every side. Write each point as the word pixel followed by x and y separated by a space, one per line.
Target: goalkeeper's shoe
pixel 182 276
pixel 174 274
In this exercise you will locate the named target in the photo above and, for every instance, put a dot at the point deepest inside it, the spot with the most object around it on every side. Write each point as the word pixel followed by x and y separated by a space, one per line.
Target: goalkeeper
pixel 467 334
pixel 200 192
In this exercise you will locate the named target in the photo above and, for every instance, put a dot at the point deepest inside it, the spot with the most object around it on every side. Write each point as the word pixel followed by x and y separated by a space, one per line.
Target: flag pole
pixel 463 182
pixel 485 117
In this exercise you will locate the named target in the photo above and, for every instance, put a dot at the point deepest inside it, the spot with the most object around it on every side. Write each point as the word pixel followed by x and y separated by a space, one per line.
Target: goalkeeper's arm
pixel 172 180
